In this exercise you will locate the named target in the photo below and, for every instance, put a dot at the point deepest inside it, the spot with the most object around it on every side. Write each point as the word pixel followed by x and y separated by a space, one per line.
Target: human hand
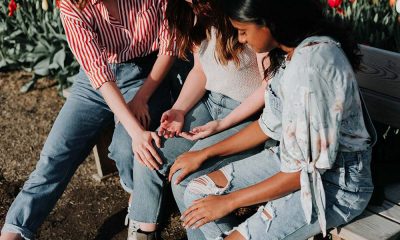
pixel 143 148
pixel 203 131
pixel 140 109
pixel 207 209
pixel 171 123
pixel 187 163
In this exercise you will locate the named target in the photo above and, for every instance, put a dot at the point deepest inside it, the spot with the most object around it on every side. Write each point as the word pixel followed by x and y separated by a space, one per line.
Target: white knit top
pixel 235 82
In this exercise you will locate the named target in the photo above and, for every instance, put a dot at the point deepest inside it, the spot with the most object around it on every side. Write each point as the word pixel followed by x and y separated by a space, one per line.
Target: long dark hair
pixel 290 22
pixel 192 24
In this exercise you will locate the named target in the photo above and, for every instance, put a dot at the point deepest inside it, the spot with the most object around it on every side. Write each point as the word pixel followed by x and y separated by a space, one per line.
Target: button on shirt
pixel 97 39
pixel 313 108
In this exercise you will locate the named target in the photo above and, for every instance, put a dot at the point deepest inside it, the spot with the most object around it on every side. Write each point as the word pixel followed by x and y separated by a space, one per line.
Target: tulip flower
pixel 398 6
pixel 58 3
pixel 334 3
pixel 12 7
pixel 45 5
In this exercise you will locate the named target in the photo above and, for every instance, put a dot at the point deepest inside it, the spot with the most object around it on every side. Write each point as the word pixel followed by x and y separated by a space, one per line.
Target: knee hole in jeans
pixel 213 183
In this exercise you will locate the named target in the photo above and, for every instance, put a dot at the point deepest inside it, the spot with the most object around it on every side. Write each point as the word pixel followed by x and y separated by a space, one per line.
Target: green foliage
pixel 33 40
pixel 374 22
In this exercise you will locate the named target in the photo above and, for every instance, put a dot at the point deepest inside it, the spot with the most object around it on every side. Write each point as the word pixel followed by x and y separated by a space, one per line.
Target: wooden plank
pixel 105 166
pixel 379 80
pixel 380 71
pixel 388 210
pixel 369 226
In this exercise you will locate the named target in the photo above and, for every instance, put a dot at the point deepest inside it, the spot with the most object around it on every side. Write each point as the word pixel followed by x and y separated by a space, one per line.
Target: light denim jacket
pixel 313 108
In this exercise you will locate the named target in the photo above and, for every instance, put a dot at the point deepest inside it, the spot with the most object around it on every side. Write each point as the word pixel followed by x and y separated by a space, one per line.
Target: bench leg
pixel 105 166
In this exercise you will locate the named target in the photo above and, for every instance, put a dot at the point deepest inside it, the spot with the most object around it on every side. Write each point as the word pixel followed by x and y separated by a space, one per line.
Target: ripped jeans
pixel 348 188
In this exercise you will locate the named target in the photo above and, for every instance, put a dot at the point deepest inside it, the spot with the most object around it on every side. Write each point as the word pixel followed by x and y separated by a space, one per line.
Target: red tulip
pixel 334 3
pixel 58 2
pixel 12 6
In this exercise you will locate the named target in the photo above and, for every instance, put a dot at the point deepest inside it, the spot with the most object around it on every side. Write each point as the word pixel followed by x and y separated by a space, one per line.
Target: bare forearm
pixel 192 91
pixel 272 188
pixel 159 71
pixel 247 108
pixel 249 137
pixel 116 102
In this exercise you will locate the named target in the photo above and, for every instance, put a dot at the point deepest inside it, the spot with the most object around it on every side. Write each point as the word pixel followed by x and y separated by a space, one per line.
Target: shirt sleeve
pixel 311 120
pixel 83 42
pixel 167 38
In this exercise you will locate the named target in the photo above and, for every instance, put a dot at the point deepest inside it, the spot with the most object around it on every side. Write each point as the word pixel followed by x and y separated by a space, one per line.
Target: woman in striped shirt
pixel 124 51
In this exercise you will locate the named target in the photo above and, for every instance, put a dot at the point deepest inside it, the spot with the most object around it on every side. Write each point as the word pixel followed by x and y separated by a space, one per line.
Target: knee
pixel 215 183
pixel 120 149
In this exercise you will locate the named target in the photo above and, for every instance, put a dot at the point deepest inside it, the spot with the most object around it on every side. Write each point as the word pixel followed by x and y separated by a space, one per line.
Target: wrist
pixel 231 202
pixel 223 124
pixel 142 97
pixel 179 110
pixel 208 153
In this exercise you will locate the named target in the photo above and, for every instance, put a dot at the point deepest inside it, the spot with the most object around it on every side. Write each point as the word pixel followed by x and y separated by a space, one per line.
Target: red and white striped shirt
pixel 96 38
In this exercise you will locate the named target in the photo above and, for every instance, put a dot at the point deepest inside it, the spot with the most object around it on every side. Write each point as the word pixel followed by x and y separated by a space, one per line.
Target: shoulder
pixel 70 11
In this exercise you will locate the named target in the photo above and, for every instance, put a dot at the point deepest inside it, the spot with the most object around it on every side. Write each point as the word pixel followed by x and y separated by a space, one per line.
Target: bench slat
pixel 368 226
pixel 380 71
pixel 387 209
pixel 379 80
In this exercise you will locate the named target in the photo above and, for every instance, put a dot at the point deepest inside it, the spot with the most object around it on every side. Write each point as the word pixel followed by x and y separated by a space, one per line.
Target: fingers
pixel 175 167
pixel 149 161
pixel 164 117
pixel 139 157
pixel 181 176
pixel 154 154
pixel 187 135
pixel 193 217
pixel 156 139
pixel 188 211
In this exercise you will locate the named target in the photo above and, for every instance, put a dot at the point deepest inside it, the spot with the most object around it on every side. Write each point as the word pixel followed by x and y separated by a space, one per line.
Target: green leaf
pixel 59 57
pixel 42 67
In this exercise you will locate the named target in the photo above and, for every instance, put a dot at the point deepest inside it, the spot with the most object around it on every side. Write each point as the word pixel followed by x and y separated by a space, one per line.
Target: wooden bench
pixel 379 81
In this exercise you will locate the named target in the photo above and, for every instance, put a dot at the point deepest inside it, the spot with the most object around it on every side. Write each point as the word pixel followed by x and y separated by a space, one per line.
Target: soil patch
pixel 87 209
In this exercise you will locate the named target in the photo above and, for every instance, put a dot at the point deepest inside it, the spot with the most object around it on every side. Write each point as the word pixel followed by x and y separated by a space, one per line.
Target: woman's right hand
pixel 203 131
pixel 143 148
pixel 188 162
pixel 171 123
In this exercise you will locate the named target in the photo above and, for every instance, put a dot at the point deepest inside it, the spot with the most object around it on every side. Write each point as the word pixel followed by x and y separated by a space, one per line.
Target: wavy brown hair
pixel 192 23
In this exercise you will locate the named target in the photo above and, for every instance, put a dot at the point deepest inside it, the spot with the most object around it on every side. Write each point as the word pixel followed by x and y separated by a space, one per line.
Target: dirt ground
pixel 88 209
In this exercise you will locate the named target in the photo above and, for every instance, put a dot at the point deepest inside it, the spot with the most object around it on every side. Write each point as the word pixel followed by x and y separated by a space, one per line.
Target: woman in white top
pixel 221 93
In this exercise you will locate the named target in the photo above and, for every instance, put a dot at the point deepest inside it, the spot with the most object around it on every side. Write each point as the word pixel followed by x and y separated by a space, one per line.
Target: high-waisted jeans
pixel 72 137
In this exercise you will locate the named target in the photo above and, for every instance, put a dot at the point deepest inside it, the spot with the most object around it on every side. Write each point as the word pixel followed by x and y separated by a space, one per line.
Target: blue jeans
pixel 348 188
pixel 148 184
pixel 71 139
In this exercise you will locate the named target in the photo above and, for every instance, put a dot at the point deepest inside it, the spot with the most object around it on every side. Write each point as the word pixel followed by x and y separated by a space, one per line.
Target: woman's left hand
pixel 206 210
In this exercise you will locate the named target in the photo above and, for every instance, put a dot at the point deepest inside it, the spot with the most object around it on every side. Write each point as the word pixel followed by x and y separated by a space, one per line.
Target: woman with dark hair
pixel 318 177
pixel 219 96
